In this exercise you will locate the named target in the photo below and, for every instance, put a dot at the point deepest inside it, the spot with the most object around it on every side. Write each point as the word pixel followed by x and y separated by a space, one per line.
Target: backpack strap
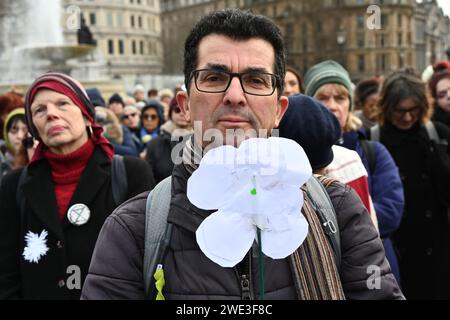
pixel 432 133
pixel 119 180
pixel 375 133
pixel 323 206
pixel 369 151
pixel 157 231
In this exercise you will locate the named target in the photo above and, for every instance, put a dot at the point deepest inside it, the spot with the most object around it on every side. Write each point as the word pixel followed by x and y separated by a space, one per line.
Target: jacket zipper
pixel 243 271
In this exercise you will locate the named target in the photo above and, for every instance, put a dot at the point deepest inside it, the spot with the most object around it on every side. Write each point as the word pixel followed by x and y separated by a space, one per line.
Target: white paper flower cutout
pixel 255 185
pixel 36 246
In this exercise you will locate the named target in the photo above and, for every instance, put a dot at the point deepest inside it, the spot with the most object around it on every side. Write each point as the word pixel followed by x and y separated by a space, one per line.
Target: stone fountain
pixel 32 42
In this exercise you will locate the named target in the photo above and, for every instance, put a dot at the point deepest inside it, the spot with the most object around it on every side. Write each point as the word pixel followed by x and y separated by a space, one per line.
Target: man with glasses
pixel 234 66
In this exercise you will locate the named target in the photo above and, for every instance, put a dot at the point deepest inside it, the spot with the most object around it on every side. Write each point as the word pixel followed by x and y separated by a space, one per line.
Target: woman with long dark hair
pixel 423 239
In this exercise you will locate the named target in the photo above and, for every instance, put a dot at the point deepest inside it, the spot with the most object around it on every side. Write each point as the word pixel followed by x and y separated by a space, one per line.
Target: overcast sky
pixel 445 5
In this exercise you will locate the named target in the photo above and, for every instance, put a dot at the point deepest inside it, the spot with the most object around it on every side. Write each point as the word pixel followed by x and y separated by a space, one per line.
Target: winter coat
pixel 5 166
pixel 61 271
pixel 189 274
pixel 423 239
pixel 442 116
pixel 127 147
pixel 159 151
pixel 386 190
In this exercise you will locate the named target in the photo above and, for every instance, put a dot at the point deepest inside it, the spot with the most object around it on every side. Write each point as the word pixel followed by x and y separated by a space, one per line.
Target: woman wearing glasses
pixel 152 117
pixel 423 239
pixel 131 118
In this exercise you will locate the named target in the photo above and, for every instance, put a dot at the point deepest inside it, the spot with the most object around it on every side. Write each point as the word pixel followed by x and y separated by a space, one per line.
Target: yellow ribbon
pixel 160 282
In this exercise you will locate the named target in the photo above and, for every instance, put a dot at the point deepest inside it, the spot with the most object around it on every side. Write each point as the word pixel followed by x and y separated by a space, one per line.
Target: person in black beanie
pixel 317 130
pixel 96 97
pixel 312 126
pixel 116 104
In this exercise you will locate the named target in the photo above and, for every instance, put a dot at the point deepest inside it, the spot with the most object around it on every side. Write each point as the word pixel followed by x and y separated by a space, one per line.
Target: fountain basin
pixel 59 54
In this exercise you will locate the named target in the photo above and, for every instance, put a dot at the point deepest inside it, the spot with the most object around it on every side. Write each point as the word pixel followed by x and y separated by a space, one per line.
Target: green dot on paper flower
pixel 253 192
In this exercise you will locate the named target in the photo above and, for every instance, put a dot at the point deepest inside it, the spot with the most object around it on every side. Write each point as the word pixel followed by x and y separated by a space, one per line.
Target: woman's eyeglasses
pixel 152 117
pixel 131 115
pixel 414 111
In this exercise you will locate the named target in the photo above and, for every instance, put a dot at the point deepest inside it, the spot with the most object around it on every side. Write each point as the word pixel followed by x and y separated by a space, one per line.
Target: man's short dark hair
pixel 237 25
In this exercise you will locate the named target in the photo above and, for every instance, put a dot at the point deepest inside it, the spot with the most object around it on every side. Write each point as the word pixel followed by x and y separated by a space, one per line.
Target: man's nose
pixel 234 95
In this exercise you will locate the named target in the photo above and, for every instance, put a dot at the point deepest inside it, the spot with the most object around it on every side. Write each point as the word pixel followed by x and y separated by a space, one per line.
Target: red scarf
pixel 66 172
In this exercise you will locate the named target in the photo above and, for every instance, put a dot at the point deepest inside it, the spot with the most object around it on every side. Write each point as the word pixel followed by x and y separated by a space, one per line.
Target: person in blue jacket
pixel 118 134
pixel 330 83
pixel 152 117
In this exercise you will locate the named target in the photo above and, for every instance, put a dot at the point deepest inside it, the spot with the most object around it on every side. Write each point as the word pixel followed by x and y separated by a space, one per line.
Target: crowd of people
pixel 76 171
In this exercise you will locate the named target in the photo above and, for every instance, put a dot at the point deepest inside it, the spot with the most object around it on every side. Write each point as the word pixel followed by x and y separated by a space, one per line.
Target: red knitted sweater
pixel 66 172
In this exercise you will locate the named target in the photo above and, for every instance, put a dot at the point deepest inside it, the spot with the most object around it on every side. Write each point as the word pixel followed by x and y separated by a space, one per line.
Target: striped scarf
pixel 312 264
pixel 313 267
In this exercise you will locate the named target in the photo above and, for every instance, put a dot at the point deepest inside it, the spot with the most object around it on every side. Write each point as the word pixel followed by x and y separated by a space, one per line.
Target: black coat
pixel 423 238
pixel 57 274
pixel 442 116
pixel 189 274
pixel 159 154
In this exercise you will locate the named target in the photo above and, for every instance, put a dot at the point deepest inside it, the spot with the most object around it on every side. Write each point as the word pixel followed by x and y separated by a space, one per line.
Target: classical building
pixel 127 32
pixel 432 34
pixel 178 17
pixel 368 37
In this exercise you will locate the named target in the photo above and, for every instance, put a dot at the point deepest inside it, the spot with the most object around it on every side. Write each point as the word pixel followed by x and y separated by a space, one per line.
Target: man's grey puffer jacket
pixel 116 267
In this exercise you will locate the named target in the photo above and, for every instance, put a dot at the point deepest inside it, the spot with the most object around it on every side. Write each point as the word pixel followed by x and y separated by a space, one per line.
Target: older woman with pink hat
pixel 53 210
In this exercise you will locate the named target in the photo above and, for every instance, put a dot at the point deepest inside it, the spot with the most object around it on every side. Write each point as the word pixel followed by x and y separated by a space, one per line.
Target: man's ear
pixel 282 106
pixel 183 102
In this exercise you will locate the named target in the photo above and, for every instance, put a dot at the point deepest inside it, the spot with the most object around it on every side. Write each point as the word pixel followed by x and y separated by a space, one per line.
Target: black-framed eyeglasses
pixel 414 111
pixel 254 83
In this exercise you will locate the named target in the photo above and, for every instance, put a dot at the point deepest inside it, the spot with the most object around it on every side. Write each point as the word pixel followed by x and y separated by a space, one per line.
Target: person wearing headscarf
pixel 53 210
pixel 152 117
